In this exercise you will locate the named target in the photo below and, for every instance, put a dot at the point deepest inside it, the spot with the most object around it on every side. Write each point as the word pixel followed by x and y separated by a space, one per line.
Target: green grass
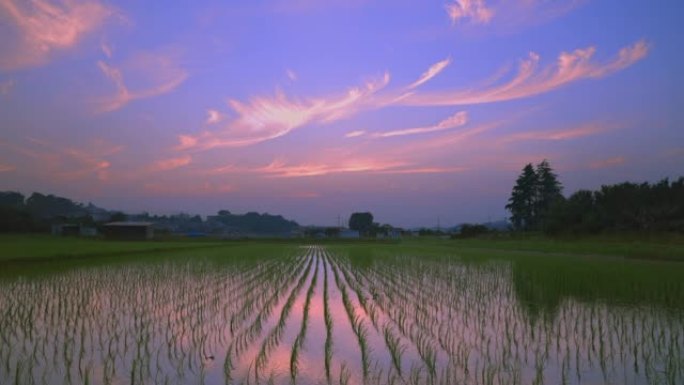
pixel 17 247
pixel 627 246
pixel 652 248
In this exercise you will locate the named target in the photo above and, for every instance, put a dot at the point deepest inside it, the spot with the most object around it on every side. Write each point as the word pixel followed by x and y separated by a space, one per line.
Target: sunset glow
pixel 314 109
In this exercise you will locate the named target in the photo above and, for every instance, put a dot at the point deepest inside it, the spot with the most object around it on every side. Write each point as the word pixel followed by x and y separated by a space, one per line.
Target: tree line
pixel 537 204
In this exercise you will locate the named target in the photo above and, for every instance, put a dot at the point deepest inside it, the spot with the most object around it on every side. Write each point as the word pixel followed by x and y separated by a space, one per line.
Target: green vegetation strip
pixel 16 248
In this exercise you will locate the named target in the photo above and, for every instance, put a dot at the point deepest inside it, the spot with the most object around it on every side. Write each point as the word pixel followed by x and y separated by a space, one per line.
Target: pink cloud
pixel 69 163
pixel 187 189
pixel 475 10
pixel 153 74
pixel 563 134
pixel 505 15
pixel 107 49
pixel 354 134
pixel 433 71
pixel 170 164
pixel 40 27
pixel 214 116
pixel 456 120
pixel 281 170
pixel 605 163
pixel 266 118
pixel 530 80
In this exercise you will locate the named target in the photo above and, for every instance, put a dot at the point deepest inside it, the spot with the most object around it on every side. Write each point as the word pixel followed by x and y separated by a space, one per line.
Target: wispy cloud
pixel 606 163
pixel 107 49
pixel 354 134
pixel 187 189
pixel 153 74
pixel 69 163
pixel 503 15
pixel 581 131
pixel 530 80
pixel 281 170
pixel 456 120
pixel 476 11
pixel 170 163
pixel 39 27
pixel 265 118
pixel 433 71
pixel 214 116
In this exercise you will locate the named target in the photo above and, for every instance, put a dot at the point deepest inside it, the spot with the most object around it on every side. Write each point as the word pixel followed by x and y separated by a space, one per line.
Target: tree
pixel 521 204
pixel 535 191
pixel 548 191
pixel 361 222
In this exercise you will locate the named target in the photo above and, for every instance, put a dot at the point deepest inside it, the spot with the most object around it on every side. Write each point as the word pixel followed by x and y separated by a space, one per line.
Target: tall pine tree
pixel 521 204
pixel 534 192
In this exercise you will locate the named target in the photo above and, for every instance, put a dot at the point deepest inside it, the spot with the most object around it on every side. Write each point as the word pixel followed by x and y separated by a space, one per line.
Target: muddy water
pixel 321 318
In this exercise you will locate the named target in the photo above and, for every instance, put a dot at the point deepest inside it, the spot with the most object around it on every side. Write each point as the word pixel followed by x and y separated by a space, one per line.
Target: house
pixel 128 230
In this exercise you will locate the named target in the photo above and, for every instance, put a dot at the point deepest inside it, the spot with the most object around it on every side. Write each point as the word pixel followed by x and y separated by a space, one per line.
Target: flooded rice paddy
pixel 321 317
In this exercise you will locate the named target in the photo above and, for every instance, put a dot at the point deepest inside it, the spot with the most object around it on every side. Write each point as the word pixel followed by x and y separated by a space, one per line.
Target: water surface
pixel 318 317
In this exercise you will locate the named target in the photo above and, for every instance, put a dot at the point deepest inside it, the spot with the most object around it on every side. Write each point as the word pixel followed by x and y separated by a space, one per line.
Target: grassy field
pixel 24 247
pixel 29 247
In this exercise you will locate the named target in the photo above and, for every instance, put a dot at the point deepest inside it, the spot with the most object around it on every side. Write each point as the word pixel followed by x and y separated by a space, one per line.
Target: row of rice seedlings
pixel 76 345
pixel 273 338
pixel 328 322
pixel 356 323
pixel 299 341
pixel 247 336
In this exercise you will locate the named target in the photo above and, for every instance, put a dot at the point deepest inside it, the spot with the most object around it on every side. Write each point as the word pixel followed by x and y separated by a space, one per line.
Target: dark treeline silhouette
pixel 624 207
pixel 255 223
pixel 536 204
pixel 37 212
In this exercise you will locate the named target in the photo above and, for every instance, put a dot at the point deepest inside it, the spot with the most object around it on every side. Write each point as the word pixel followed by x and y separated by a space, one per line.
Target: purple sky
pixel 414 110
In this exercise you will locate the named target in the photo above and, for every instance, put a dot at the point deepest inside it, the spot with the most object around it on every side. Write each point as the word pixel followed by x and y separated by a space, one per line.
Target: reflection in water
pixel 320 318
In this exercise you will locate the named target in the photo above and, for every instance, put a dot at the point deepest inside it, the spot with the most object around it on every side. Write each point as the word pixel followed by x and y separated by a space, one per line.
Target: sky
pixel 421 112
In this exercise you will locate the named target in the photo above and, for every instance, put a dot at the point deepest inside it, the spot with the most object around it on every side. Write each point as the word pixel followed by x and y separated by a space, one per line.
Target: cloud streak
pixel 456 120
pixel 584 130
pixel 530 80
pixel 476 11
pixel 280 169
pixel 153 74
pixel 266 118
pixel 69 163
pixel 40 27
pixel 433 71
pixel 170 163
